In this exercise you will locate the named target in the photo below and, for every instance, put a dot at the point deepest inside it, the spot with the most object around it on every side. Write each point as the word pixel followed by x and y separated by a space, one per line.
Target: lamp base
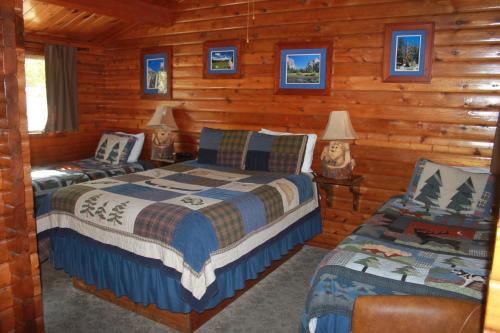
pixel 162 148
pixel 336 160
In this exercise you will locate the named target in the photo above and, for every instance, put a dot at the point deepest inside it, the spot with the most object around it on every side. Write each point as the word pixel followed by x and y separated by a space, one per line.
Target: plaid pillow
pixel 276 153
pixel 223 147
pixel 114 148
pixel 452 188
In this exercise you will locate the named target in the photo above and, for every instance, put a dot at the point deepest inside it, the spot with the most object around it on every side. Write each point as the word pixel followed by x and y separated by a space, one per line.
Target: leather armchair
pixel 412 314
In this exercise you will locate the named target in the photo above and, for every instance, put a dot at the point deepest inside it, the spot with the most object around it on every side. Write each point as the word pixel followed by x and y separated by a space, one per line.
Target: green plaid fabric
pixel 290 144
pixel 65 198
pixel 227 222
pixel 232 148
pixel 271 199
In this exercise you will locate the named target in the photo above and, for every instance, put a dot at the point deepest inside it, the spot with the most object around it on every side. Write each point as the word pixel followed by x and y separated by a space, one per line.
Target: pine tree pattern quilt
pixel 403 249
pixel 47 179
pixel 193 217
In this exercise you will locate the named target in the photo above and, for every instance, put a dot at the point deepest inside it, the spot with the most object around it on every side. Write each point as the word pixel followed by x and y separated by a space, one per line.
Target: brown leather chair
pixel 415 314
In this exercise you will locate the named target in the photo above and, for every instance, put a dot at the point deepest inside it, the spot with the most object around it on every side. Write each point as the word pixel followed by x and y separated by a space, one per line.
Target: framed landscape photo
pixel 408 52
pixel 303 68
pixel 156 73
pixel 221 59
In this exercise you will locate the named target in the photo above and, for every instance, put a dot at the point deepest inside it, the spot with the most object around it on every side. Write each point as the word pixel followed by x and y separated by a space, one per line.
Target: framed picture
pixel 303 68
pixel 408 52
pixel 221 59
pixel 156 73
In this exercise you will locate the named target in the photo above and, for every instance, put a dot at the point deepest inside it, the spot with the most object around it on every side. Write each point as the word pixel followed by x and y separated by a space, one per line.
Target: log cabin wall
pixel 48 148
pixel 20 289
pixel 451 120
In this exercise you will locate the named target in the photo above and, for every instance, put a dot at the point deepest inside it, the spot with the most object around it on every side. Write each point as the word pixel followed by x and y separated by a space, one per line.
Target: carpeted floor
pixel 273 305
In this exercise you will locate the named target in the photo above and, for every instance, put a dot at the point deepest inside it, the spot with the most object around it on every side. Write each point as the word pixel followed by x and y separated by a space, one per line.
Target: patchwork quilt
pixel 403 249
pixel 193 217
pixel 48 178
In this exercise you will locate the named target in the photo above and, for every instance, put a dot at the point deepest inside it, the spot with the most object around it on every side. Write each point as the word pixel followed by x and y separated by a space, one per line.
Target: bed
pixel 433 241
pixel 183 239
pixel 48 178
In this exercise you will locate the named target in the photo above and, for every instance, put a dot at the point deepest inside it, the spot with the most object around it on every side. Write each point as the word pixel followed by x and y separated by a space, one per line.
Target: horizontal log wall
pixel 451 120
pixel 48 148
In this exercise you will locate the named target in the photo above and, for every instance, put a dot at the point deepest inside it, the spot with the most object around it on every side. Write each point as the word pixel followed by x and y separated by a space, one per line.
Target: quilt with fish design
pixel 194 218
pixel 403 249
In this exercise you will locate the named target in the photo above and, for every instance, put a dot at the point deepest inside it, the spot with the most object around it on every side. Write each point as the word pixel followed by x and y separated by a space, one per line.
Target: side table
pixel 328 185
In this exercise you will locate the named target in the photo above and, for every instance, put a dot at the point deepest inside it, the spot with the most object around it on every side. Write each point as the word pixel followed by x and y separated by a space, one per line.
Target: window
pixel 36 93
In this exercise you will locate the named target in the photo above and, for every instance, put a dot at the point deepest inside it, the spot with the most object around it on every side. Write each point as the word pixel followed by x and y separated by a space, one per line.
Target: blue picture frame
pixel 156 73
pixel 303 68
pixel 408 52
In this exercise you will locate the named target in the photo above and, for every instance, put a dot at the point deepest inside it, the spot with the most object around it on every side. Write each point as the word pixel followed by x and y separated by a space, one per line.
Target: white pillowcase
pixel 136 150
pixel 308 155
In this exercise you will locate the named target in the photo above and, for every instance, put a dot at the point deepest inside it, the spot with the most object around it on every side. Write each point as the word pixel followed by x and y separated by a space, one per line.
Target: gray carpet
pixel 273 305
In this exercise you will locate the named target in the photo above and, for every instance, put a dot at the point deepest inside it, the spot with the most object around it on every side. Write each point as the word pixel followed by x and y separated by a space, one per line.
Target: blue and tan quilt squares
pixel 171 185
pixel 132 178
pixel 261 179
pixel 221 194
pixel 157 173
pixel 194 202
pixel 240 187
pixel 142 192
pixel 216 174
pixel 196 180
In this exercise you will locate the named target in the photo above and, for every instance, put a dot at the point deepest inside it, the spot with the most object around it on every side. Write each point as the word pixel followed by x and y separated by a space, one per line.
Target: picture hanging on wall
pixel 221 59
pixel 303 68
pixel 408 52
pixel 156 73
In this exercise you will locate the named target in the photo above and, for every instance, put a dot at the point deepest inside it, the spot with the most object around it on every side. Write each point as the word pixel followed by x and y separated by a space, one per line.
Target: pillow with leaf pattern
pixel 114 148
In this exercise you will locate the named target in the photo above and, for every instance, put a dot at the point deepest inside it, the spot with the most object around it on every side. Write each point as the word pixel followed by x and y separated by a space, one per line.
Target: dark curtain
pixel 62 94
pixel 495 167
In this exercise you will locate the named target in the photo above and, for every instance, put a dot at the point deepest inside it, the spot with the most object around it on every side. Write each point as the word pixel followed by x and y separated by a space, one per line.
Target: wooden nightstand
pixel 329 183
pixel 179 157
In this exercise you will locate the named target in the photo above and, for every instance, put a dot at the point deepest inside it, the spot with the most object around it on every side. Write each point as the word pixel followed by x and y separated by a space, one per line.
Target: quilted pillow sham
pixel 114 148
pixel 223 147
pixel 452 189
pixel 276 153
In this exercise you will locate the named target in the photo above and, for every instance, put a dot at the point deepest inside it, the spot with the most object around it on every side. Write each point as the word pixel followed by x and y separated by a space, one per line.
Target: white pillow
pixel 136 150
pixel 308 155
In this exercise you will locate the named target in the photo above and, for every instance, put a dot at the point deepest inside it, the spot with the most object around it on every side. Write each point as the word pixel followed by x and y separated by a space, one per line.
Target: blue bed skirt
pixel 148 281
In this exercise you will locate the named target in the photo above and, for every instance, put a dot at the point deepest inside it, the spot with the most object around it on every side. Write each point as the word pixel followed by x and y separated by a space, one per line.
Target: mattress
pixel 193 218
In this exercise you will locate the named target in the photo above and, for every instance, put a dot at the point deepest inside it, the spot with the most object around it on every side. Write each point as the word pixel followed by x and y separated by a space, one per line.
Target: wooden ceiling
pixel 83 22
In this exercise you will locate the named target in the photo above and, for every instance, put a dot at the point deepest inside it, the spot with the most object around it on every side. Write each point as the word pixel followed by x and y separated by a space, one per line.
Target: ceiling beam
pixel 126 10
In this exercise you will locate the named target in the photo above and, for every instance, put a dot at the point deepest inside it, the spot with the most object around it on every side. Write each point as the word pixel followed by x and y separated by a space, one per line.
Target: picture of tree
pixel 454 261
pixel 101 152
pixel 368 262
pixel 113 155
pixel 430 192
pixel 408 53
pixel 405 271
pixel 462 200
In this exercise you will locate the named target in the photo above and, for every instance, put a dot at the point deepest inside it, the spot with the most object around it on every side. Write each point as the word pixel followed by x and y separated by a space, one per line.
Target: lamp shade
pixel 163 118
pixel 339 127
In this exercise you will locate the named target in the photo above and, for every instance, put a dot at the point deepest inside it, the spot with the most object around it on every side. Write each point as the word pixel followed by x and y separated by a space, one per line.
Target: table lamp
pixel 336 161
pixel 163 123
